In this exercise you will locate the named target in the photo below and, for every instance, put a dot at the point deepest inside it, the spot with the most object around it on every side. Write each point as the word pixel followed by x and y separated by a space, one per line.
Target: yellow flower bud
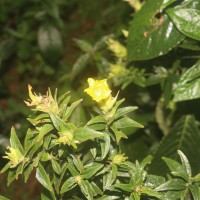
pixel 66 137
pixel 44 103
pixel 117 48
pixel 78 179
pixel 118 159
pixel 14 156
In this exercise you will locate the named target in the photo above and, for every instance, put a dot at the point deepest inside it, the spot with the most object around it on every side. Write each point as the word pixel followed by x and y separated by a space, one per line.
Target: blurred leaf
pixel 80 64
pixel 150 36
pixel 43 178
pixel 189 84
pixel 187 21
pixel 7 48
pixel 83 45
pixel 3 198
pixel 50 42
pixel 153 181
pixel 185 136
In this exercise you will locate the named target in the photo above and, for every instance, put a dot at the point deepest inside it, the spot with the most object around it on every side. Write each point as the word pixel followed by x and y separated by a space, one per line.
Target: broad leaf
pixel 185 136
pixel 189 85
pixel 149 36
pixel 187 21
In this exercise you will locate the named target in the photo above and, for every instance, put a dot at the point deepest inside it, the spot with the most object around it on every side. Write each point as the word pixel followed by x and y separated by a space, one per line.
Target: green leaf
pixel 172 164
pixel 83 45
pixel 118 134
pixel 91 170
pixel 70 109
pixel 186 20
pixel 50 42
pixel 150 192
pixel 185 163
pixel 27 171
pixel 195 191
pixel 7 48
pixel 197 178
pixel 122 111
pixel 56 166
pixel 14 173
pixel 188 85
pixel 46 128
pixel 127 122
pixel 86 190
pixel 96 120
pixel 167 3
pixel 105 146
pixel 150 36
pixel 147 160
pixel 68 185
pixel 173 184
pixel 185 136
pixel 96 189
pixel 125 187
pixel 5 168
pixel 174 195
pixel 14 141
pixel 3 198
pixel 85 133
pixel 153 181
pixel 43 178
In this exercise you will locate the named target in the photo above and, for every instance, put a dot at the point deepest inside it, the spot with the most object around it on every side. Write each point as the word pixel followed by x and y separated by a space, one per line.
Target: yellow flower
pixel 98 90
pixel 66 137
pixel 117 48
pixel 14 156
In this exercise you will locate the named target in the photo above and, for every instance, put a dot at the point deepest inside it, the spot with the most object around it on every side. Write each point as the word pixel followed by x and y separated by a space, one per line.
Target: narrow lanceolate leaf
pixel 125 187
pixel 44 130
pixel 14 141
pixel 122 111
pixel 172 164
pixel 150 36
pixel 185 163
pixel 127 122
pixel 43 178
pixel 105 146
pixel 187 21
pixel 195 191
pixel 185 136
pixel 68 185
pixel 85 133
pixel 173 184
pixel 70 109
pixel 91 170
pixel 188 87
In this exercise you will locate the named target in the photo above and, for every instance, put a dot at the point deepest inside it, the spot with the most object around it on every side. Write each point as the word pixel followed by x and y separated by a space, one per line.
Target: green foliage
pixel 82 155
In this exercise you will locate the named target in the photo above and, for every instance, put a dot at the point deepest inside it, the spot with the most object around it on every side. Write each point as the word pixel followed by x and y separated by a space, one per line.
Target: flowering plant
pixel 85 161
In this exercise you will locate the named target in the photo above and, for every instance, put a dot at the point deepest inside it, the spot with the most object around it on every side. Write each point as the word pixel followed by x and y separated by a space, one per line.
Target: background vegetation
pixel 59 44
